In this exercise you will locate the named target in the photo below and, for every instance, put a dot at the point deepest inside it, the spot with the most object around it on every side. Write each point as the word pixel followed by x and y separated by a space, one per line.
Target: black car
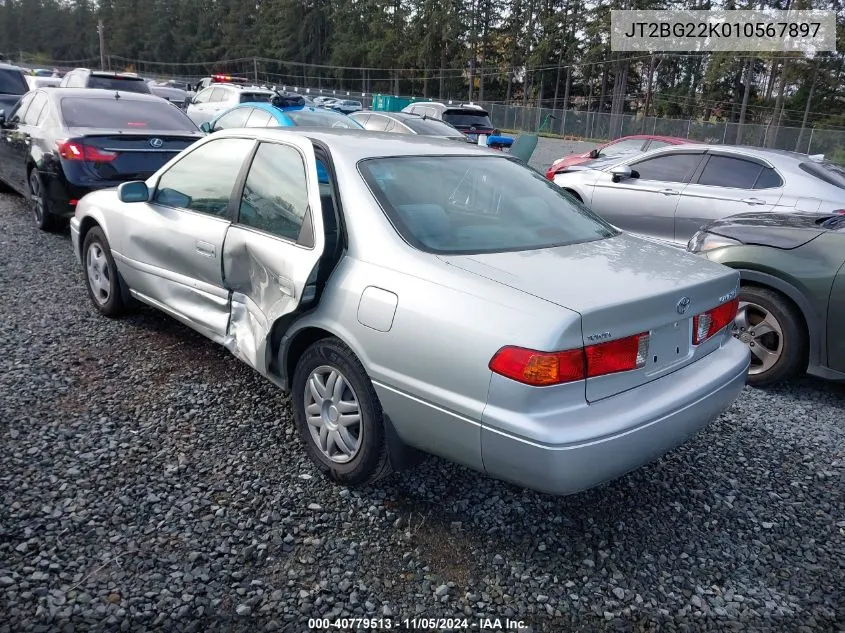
pixel 468 118
pixel 12 86
pixel 57 145
pixel 107 80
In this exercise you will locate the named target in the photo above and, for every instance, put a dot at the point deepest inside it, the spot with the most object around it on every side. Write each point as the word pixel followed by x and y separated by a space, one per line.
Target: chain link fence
pixel 603 126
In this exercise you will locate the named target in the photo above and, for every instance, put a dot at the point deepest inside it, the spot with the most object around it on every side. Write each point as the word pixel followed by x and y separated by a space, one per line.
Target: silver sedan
pixel 670 193
pixel 415 293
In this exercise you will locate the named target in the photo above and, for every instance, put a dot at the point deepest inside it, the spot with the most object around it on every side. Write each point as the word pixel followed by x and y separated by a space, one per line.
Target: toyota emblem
pixel 683 304
pixel 155 143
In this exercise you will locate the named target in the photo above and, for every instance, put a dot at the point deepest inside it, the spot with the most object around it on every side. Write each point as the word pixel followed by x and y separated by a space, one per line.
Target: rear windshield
pixel 256 97
pixel 481 205
pixel 831 173
pixel 430 127
pixel 12 82
pixel 478 118
pixel 127 84
pixel 322 118
pixel 123 114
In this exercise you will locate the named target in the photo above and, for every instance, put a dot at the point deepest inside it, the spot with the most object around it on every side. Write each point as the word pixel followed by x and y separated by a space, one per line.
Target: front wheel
pixel 772 328
pixel 101 276
pixel 338 414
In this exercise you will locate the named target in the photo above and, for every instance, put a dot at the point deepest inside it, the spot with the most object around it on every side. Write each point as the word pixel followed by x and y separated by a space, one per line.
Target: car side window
pixel 19 111
pixel 668 167
pixel 259 118
pixel 275 197
pixel 726 171
pixel 33 113
pixel 203 180
pixel 77 80
pixel 400 128
pixel 768 179
pixel 654 144
pixel 362 119
pixel 217 94
pixel 203 96
pixel 377 123
pixel 235 118
pixel 622 147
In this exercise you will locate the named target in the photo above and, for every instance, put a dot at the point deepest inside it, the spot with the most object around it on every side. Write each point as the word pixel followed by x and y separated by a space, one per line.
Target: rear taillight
pixel 74 150
pixel 839 211
pixel 540 369
pixel 709 323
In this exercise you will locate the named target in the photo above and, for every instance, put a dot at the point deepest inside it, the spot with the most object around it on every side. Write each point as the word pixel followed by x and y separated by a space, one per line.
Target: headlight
pixel 703 241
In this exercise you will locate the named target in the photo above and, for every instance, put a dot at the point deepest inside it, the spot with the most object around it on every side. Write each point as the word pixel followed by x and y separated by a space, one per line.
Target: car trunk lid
pixel 129 156
pixel 621 286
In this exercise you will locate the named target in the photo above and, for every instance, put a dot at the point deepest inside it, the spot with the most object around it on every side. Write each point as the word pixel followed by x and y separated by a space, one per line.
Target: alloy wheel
pixel 762 333
pixel 97 268
pixel 36 197
pixel 333 414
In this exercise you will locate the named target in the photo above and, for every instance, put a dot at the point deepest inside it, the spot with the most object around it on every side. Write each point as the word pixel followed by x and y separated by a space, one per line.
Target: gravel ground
pixel 150 481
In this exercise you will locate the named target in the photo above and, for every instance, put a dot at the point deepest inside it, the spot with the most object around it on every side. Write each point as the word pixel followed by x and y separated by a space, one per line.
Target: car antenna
pixel 116 94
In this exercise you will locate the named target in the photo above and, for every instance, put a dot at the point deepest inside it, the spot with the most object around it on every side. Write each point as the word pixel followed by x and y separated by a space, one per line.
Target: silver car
pixel 670 193
pixel 416 293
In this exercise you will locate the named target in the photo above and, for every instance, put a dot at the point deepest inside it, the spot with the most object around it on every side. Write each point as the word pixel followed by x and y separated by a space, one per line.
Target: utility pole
pixel 100 30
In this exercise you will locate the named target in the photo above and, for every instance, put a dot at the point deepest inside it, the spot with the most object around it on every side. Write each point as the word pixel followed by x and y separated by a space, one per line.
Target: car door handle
pixel 205 249
pixel 754 201
pixel 669 192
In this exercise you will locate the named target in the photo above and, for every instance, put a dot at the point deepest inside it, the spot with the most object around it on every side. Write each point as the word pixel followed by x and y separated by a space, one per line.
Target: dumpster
pixel 391 103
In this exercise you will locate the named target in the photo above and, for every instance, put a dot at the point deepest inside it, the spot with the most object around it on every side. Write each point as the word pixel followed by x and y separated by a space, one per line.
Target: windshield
pixel 127 84
pixel 12 82
pixel 467 118
pixel 431 127
pixel 831 173
pixel 482 204
pixel 123 114
pixel 322 118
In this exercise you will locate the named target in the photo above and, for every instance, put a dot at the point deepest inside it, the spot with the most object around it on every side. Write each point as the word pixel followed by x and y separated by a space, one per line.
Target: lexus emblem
pixel 155 143
pixel 683 304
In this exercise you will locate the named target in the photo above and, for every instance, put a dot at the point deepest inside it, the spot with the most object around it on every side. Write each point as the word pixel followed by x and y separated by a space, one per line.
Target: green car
pixel 792 294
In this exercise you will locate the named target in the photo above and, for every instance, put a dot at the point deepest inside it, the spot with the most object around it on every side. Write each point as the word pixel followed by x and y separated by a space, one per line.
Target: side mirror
pixel 205 126
pixel 594 153
pixel 621 172
pixel 135 191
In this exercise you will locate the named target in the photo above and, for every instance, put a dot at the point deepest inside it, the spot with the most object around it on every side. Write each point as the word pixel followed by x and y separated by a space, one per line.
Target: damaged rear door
pixel 272 251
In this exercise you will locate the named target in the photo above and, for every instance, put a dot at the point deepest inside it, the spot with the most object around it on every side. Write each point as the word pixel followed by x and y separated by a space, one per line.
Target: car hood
pixel 778 230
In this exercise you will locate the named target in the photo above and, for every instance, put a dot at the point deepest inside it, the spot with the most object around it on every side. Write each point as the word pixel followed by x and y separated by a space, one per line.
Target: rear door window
pixel 726 171
pixel 377 123
pixel 124 114
pixel 33 113
pixel 235 118
pixel 217 94
pixel 260 118
pixel 768 179
pixel 668 167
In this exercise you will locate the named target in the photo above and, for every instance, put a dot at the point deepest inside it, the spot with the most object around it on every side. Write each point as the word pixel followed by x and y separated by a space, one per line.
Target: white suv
pixel 218 98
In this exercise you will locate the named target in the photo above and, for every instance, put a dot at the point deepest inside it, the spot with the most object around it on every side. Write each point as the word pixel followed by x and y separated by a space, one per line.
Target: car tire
pixel 44 220
pixel 781 351
pixel 102 278
pixel 358 454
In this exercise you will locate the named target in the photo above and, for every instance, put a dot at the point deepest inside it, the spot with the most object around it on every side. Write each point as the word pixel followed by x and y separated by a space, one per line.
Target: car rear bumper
pixel 656 418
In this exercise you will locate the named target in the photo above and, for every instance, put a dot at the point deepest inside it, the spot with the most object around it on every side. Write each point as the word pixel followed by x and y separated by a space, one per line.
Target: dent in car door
pixel 835 319
pixel 171 248
pixel 271 254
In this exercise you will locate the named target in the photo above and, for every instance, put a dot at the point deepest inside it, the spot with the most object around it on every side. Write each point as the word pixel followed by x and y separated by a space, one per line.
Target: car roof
pixel 355 145
pixel 4 66
pixel 101 93
pixel 675 140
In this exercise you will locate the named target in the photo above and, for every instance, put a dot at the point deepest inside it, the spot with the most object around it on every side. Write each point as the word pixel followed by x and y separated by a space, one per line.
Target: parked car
pixel 176 96
pixel 205 82
pixel 575 377
pixel 219 98
pixel 106 80
pixel 268 115
pixel 624 146
pixel 12 86
pixel 792 297
pixel 670 193
pixel 324 101
pixel 468 118
pixel 405 123
pixel 56 145
pixel 346 106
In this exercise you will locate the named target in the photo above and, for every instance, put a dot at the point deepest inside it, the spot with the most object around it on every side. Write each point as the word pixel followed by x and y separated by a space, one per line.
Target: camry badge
pixel 683 304
pixel 155 143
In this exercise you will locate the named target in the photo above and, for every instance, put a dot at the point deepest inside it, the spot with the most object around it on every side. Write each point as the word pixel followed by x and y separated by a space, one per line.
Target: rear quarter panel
pixel 835 321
